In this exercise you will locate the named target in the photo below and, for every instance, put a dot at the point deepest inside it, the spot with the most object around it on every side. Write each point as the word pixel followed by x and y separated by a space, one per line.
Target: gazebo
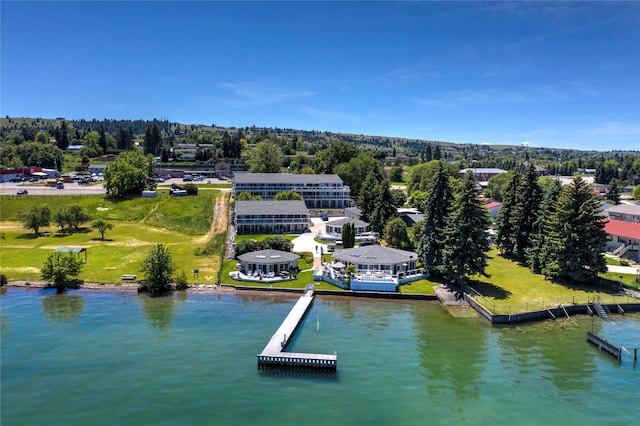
pixel 268 263
pixel 77 250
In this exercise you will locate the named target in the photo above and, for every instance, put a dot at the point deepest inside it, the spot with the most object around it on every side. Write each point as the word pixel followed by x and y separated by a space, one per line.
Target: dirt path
pixel 220 218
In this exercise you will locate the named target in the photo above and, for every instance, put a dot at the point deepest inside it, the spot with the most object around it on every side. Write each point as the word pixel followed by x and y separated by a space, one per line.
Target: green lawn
pixel 139 223
pixel 512 288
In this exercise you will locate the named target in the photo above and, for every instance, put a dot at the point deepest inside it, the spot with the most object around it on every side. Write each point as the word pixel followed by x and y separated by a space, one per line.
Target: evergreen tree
pixel 576 237
pixel 435 209
pixel 152 139
pixel 529 197
pixel 613 191
pixel 436 153
pixel 428 155
pixel 505 240
pixel 541 227
pixel 63 140
pixel 102 140
pixel 375 202
pixel 465 236
pixel 348 235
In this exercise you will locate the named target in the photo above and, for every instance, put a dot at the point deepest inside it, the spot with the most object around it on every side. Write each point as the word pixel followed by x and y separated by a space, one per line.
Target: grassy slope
pixel 139 223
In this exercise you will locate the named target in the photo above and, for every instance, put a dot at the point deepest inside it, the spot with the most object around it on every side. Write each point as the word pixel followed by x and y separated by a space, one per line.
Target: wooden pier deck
pixel 274 353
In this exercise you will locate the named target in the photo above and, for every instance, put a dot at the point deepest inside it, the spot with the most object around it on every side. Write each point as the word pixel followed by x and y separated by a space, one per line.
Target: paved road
pixel 10 188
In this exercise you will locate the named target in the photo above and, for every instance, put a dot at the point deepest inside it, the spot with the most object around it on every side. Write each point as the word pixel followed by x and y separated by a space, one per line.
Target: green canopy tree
pixel 130 174
pixel 35 218
pixel 265 157
pixel 288 195
pixel 158 268
pixel 61 268
pixel 102 226
pixel 573 250
pixel 396 234
pixel 465 243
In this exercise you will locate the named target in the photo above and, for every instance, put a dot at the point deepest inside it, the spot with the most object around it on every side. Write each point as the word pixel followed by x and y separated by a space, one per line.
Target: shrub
pixel 181 281
pixel 3 279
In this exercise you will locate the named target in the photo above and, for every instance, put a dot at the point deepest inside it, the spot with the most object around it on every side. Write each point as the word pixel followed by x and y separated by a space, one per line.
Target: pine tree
pixel 576 237
pixel 63 141
pixel 102 140
pixel 541 227
pixel 465 236
pixel 435 210
pixel 505 240
pixel 529 197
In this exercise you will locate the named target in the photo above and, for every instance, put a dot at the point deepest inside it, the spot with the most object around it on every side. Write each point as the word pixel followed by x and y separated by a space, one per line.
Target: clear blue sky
pixel 561 75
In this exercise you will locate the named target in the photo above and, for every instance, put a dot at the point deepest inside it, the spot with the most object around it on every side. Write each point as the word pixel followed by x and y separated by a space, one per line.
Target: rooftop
pixel 271 207
pixel 267 257
pixel 623 229
pixel 374 254
pixel 302 179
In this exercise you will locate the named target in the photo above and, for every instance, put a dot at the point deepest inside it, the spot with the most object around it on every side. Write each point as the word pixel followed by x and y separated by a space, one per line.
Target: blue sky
pixel 563 75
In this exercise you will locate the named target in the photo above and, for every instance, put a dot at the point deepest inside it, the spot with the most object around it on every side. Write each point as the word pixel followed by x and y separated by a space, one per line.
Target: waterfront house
pixel 267 264
pixel 271 217
pixel 377 268
pixel 318 191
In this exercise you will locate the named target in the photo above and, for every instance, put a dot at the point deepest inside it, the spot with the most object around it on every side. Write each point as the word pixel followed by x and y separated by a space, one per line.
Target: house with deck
pixel 377 268
pixel 266 264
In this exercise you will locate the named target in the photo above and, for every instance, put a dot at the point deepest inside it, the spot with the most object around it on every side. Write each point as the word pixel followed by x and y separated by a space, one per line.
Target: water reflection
pixel 159 311
pixel 453 358
pixel 555 351
pixel 62 307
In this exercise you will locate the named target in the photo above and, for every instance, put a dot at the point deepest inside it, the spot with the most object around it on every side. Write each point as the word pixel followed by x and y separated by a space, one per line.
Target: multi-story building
pixel 271 217
pixel 318 191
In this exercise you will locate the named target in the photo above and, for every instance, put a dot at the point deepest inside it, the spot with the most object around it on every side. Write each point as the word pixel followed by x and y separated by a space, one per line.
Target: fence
pixel 549 303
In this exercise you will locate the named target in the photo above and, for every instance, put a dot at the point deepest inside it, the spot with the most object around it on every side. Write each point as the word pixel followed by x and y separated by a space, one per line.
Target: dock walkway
pixel 274 353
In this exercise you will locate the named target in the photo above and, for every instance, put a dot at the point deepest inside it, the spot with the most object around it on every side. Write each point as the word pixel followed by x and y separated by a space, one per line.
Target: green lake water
pixel 116 358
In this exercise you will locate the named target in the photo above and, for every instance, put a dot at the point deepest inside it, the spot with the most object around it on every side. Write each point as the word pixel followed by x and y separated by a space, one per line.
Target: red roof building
pixel 625 238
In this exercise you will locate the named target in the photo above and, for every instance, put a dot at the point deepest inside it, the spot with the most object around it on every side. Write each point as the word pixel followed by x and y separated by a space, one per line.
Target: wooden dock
pixel 274 353
pixel 603 345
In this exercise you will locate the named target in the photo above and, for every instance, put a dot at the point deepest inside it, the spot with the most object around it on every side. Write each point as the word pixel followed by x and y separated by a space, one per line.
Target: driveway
pixel 306 242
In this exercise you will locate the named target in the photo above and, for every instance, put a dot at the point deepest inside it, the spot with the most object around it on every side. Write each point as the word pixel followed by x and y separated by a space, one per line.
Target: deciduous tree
pixel 35 218
pixel 102 226
pixel 130 174
pixel 265 157
pixel 60 268
pixel 396 235
pixel 158 268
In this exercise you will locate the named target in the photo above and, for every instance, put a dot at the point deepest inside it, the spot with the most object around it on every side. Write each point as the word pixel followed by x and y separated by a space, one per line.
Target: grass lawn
pixel 512 288
pixel 301 281
pixel 139 223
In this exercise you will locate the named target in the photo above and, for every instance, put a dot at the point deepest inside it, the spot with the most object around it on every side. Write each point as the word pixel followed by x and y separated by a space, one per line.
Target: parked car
pixel 14 179
pixel 22 192
pixel 60 185
pixel 187 178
